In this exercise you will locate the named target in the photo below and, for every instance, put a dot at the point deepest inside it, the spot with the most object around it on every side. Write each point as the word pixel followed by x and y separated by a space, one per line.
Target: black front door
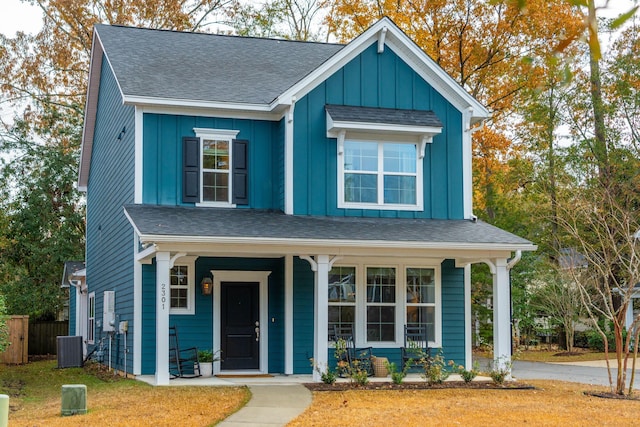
pixel 240 325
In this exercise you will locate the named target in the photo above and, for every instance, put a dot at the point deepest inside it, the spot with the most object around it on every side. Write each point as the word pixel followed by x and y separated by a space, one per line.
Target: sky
pixel 18 16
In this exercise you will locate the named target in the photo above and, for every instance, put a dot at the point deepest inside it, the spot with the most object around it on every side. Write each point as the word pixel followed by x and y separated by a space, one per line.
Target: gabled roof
pixel 242 74
pixel 207 67
pixel 186 224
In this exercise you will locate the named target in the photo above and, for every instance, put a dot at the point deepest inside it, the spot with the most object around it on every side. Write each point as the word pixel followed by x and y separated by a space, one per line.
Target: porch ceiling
pixel 262 231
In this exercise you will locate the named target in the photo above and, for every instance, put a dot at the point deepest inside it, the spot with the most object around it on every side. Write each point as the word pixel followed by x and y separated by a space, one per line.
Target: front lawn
pixel 34 393
pixel 552 403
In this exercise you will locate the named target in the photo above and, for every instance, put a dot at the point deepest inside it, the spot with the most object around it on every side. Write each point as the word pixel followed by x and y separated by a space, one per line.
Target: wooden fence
pixel 43 336
pixel 16 352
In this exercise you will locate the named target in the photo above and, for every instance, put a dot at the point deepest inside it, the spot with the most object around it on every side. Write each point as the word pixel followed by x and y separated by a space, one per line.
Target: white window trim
pixel 380 140
pixel 360 331
pixel 91 327
pixel 216 134
pixel 190 263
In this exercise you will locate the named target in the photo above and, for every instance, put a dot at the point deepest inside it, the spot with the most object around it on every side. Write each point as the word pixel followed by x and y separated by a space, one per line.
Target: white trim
pixel 381 36
pixel 380 173
pixel 190 263
pixel 138 154
pixel 288 158
pixel 261 277
pixel 91 296
pixel 334 127
pixel 401 265
pixel 468 354
pixel 408 51
pixel 467 165
pixel 294 244
pixel 288 315
pixel 212 135
pixel 137 309
pixel 191 103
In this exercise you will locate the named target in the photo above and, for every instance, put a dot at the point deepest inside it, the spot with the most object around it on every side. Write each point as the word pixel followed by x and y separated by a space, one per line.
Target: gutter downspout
pixel 288 158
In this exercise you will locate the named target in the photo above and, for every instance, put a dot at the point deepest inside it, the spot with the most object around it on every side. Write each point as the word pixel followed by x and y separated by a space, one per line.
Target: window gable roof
pixel 347 113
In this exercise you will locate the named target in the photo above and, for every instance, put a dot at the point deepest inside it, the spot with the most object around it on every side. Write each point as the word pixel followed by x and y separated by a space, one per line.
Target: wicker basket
pixel 379 368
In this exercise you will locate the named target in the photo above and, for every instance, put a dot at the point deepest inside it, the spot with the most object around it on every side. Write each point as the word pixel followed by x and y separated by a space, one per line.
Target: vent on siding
pixel 70 352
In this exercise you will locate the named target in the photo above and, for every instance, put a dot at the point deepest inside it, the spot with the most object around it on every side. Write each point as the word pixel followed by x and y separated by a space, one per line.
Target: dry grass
pixel 552 404
pixel 580 355
pixel 35 399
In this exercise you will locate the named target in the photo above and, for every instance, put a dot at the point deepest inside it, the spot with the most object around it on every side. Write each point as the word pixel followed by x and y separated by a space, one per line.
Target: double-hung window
pixel 421 299
pixel 342 299
pixel 182 287
pixel 377 301
pixel 382 174
pixel 91 318
pixel 381 304
pixel 215 165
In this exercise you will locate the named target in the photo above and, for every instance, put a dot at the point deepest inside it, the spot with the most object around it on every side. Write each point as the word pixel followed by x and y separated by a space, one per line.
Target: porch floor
pixel 278 379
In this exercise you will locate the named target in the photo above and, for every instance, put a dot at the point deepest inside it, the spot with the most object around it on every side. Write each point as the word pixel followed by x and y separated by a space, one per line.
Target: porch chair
pixel 183 363
pixel 416 347
pixel 360 358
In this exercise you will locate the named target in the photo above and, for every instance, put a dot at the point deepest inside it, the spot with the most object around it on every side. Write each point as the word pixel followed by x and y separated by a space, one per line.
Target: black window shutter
pixel 240 172
pixel 190 169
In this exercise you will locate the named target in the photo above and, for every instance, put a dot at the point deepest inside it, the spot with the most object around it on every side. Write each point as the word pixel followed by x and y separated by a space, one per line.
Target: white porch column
pixel 321 347
pixel 163 266
pixel 501 314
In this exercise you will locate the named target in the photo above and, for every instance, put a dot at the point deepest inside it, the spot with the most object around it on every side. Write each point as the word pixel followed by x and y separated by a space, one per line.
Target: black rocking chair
pixel 356 358
pixel 415 351
pixel 183 363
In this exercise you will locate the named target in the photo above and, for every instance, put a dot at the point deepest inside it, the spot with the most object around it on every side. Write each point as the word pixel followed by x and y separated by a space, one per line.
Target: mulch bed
pixel 474 385
pixel 609 395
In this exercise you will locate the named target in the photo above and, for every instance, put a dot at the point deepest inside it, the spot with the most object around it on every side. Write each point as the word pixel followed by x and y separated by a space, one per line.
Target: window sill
pixel 373 206
pixel 215 205
pixel 181 312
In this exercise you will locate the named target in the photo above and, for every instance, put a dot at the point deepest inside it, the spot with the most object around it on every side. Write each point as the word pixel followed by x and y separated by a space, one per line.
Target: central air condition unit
pixel 70 352
pixel 109 312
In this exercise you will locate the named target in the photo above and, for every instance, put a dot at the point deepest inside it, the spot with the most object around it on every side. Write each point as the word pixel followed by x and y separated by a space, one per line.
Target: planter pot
pixel 206 369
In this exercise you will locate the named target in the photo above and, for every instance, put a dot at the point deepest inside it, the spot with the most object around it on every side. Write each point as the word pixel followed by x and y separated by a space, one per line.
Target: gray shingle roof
pixel 383 115
pixel 207 67
pixel 186 222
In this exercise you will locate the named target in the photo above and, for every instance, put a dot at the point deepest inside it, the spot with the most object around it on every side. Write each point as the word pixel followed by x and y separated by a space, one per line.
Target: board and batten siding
pixel 195 330
pixel 109 252
pixel 375 80
pixel 162 157
pixel 72 310
pixel 453 323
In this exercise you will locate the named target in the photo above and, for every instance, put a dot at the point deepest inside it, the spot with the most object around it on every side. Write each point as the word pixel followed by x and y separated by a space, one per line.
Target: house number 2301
pixel 163 294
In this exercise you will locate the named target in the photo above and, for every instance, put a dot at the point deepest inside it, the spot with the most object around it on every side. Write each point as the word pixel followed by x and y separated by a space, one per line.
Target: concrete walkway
pixel 271 405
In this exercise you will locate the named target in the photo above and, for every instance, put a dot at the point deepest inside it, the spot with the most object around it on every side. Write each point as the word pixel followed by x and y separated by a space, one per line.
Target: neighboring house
pixel 305 184
pixel 74 281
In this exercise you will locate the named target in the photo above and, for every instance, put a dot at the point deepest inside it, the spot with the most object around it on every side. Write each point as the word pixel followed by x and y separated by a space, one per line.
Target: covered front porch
pixel 308 248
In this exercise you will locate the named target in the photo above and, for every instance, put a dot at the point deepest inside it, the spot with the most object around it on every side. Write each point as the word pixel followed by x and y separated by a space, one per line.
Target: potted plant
pixel 206 359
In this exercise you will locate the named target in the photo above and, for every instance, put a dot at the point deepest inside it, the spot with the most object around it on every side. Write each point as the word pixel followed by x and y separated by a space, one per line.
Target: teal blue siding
pixel 196 330
pixel 303 316
pixel 453 326
pixel 375 80
pixel 109 252
pixel 72 310
pixel 162 157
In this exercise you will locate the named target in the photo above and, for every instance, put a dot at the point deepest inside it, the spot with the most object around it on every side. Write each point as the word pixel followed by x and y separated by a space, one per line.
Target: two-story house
pixel 256 192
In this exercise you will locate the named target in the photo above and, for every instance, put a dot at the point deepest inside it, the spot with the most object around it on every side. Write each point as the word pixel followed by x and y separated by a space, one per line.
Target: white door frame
pixel 261 277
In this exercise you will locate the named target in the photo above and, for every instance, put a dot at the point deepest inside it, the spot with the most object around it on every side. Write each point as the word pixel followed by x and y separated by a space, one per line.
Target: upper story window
pixel 380 155
pixel 215 165
pixel 380 174
pixel 215 168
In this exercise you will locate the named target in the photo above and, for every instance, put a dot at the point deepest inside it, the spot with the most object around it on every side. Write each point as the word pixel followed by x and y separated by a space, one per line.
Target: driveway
pixel 579 372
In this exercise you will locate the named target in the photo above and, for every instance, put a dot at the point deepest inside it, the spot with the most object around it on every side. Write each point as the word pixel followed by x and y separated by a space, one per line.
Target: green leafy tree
pixel 44 214
pixel 4 328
